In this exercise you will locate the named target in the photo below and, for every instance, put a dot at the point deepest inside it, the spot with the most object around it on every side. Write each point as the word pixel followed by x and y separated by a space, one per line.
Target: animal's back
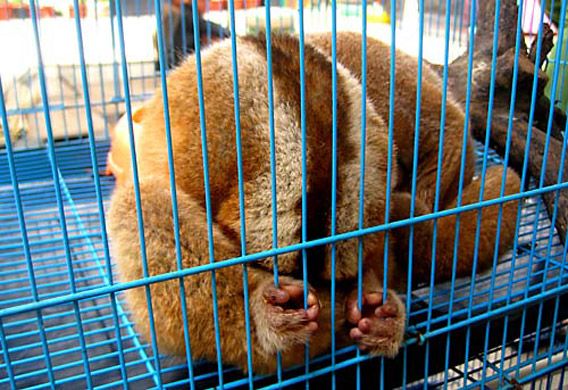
pixel 378 82
pixel 254 114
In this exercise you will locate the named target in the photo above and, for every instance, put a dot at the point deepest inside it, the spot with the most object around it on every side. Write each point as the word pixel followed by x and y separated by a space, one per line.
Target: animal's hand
pixel 281 320
pixel 379 326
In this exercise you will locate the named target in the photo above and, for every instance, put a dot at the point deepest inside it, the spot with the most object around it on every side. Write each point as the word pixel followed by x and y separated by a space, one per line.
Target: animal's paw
pixel 379 326
pixel 281 320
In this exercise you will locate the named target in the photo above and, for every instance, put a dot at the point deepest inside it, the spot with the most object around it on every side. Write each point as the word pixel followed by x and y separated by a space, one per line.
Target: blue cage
pixel 70 70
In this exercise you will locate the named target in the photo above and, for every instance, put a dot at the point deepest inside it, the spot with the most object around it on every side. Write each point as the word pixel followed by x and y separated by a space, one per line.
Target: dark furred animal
pixel 174 33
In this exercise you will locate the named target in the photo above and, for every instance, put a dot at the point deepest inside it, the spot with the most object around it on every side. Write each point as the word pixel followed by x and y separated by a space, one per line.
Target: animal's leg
pixel 446 230
pixel 449 172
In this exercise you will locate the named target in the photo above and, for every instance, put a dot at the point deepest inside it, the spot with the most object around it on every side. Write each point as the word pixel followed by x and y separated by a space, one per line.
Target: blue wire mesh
pixel 27 358
pixel 45 346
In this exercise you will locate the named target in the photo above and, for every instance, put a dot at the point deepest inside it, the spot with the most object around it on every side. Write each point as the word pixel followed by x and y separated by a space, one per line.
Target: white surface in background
pixel 59 38
pixel 59 42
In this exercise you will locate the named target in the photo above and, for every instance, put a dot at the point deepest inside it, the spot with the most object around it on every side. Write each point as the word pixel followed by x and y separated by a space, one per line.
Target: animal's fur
pixel 278 320
pixel 404 119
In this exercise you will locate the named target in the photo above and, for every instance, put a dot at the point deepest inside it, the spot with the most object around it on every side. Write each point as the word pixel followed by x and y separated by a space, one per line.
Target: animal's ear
pixel 138 115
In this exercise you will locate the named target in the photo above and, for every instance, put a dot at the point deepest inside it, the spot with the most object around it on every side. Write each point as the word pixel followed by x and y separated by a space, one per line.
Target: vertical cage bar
pixel 333 178
pixel 156 376
pixel 455 20
pixel 519 210
pixel 547 143
pixel 171 166
pixel 100 69
pixel 472 23
pixel 362 170
pixel 32 103
pixel 560 173
pixel 438 17
pixel 438 179
pixel 304 174
pixel 115 72
pixel 392 92
pixel 241 189
pixel 459 203
pixel 525 172
pixel 462 8
pixel 205 158
pixel 416 145
pixel 18 108
pixel 484 172
pixel 563 260
pixel 54 171
pixel 98 192
pixel 142 72
pixel 79 132
pixel 272 159
pixel 60 78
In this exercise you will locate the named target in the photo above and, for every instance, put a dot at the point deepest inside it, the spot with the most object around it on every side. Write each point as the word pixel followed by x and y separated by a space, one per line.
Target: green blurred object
pixel 555 15
pixel 561 98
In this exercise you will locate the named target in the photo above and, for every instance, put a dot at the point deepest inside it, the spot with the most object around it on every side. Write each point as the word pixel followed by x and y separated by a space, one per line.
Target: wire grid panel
pixel 23 335
pixel 81 335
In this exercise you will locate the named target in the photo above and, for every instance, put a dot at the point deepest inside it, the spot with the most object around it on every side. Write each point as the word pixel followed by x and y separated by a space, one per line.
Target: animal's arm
pixel 277 318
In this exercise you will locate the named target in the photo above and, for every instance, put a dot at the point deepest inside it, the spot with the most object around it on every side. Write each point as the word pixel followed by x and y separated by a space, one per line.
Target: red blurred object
pixel 220 4
pixel 82 10
pixel 14 11
pixel 47 12
pixel 246 4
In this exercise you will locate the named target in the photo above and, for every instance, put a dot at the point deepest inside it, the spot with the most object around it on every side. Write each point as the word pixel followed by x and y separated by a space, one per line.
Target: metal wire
pixel 63 320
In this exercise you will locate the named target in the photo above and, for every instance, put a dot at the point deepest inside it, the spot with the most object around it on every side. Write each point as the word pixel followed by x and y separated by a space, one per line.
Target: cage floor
pixel 45 345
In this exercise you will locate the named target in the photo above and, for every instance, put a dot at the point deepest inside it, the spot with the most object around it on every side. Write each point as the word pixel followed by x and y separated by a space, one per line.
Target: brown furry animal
pixel 279 321
pixel 349 48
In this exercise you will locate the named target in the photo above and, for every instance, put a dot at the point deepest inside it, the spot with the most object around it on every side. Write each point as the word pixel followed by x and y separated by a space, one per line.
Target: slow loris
pixel 279 321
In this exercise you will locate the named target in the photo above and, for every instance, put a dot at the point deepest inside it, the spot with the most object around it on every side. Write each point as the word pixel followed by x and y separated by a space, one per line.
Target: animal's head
pixel 119 159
